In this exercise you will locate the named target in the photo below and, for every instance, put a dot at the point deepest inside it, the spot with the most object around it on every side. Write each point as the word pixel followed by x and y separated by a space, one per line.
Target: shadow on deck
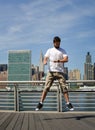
pixel 47 120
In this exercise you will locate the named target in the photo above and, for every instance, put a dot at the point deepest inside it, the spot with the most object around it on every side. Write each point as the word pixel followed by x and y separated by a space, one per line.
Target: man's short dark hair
pixel 56 39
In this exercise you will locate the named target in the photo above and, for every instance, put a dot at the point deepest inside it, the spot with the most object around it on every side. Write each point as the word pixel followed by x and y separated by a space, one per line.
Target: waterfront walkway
pixel 47 120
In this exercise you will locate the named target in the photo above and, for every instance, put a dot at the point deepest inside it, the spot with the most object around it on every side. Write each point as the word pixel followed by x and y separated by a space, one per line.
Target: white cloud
pixel 15 28
pixel 86 34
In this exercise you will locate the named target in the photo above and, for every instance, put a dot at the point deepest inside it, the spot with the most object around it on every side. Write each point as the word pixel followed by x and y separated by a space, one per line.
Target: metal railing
pixel 25 95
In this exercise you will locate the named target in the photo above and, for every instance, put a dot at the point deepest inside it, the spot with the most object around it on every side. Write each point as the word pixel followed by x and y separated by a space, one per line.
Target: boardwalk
pixel 47 121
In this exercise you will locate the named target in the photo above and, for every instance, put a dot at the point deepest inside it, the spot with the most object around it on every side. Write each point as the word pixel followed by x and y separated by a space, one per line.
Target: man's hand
pixel 65 59
pixel 56 61
pixel 45 60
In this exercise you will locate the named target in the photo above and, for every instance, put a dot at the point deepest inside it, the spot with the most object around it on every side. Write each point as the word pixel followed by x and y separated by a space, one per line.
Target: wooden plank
pixel 19 122
pixel 73 121
pixel 6 115
pixel 13 122
pixel 25 122
pixel 1 115
pixel 31 121
pixel 53 121
pixel 6 120
pixel 38 122
pixel 88 120
pixel 69 122
pixel 66 122
pixel 47 121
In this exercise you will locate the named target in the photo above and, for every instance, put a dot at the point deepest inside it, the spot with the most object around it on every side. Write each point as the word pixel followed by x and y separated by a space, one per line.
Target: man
pixel 57 57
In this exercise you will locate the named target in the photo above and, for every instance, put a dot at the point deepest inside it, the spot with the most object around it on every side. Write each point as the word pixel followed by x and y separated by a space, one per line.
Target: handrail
pixel 20 99
pixel 42 81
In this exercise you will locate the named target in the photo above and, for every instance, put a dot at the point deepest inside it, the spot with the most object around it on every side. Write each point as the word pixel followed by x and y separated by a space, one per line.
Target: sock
pixel 41 102
pixel 67 102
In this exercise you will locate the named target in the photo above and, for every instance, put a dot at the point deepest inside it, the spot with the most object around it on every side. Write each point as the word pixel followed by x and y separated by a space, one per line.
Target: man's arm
pixel 65 59
pixel 45 60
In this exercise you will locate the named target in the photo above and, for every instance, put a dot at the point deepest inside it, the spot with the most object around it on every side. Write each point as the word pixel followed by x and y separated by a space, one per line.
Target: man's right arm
pixel 45 60
pixel 46 57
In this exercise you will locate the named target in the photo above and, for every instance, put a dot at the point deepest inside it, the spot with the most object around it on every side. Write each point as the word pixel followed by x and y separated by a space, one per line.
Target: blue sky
pixel 32 24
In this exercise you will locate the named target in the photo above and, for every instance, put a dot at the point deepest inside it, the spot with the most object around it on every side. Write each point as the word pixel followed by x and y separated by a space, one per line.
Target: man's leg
pixel 44 93
pixel 40 104
pixel 49 81
pixel 69 105
pixel 64 89
pixel 66 96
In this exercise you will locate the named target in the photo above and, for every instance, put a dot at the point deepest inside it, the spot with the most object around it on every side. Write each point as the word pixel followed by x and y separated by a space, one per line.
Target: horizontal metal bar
pixel 68 81
pixel 8 103
pixel 6 106
pixel 85 103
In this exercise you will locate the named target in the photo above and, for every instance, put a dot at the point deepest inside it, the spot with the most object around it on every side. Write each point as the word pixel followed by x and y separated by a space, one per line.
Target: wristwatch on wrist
pixel 58 60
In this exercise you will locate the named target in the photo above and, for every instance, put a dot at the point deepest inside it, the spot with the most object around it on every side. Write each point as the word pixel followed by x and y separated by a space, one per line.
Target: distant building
pixel 66 72
pixel 74 74
pixel 35 72
pixel 94 71
pixel 3 76
pixel 38 71
pixel 3 67
pixel 19 65
pixel 88 68
pixel 3 72
pixel 41 66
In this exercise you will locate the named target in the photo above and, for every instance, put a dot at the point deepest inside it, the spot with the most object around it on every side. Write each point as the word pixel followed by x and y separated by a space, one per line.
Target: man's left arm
pixel 65 59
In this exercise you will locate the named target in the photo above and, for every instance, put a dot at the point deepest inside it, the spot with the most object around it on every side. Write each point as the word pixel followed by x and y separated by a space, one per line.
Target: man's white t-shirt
pixel 55 54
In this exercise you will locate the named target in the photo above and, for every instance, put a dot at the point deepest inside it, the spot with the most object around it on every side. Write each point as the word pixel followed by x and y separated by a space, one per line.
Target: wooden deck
pixel 47 121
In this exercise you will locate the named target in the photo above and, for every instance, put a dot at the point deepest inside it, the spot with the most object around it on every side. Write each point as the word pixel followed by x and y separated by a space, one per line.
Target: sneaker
pixel 39 106
pixel 70 106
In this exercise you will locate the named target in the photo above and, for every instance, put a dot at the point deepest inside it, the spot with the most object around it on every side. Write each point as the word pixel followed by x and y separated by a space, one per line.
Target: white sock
pixel 67 102
pixel 41 102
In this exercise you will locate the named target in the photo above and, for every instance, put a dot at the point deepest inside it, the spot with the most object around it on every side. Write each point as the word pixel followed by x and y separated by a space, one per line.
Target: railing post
pixel 16 103
pixel 58 99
